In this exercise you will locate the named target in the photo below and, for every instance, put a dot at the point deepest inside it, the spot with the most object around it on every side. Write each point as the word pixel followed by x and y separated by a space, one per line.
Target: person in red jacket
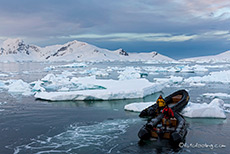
pixel 168 112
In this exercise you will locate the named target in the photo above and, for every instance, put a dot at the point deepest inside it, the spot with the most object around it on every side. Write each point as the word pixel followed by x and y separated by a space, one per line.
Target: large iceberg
pixel 110 90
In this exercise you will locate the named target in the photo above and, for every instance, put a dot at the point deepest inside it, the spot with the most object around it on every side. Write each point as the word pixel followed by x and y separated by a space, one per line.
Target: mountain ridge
pixel 18 50
pixel 222 57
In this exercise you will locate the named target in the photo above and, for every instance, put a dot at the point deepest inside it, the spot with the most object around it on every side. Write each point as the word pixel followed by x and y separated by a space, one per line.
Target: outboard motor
pixel 144 134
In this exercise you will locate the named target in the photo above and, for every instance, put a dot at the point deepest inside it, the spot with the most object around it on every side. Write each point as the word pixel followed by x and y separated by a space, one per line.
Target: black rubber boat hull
pixel 177 136
pixel 151 111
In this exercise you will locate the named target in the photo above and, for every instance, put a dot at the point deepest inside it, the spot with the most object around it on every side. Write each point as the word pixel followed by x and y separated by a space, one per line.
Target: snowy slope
pixel 17 50
pixel 223 57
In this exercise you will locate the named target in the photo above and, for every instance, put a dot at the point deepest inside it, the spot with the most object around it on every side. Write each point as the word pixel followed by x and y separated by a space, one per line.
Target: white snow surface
pixel 111 89
pixel 216 95
pixel 221 76
pixel 129 73
pixel 16 50
pixel 138 107
pixel 170 79
pixel 19 86
pixel 3 75
pixel 222 57
pixel 215 109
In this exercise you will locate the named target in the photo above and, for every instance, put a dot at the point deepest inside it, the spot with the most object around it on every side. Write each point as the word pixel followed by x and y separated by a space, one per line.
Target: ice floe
pixel 215 109
pixel 138 107
pixel 216 95
pixel 193 84
pixel 221 76
pixel 170 79
pixel 18 86
pixel 72 65
pixel 105 90
pixel 37 87
pixel 177 68
pixel 95 71
pixel 129 73
pixel 3 75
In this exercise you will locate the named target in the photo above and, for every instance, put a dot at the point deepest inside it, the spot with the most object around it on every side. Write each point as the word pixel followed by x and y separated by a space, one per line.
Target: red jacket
pixel 167 111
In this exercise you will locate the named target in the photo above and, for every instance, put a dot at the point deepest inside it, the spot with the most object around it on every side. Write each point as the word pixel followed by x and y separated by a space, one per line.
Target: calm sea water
pixel 28 125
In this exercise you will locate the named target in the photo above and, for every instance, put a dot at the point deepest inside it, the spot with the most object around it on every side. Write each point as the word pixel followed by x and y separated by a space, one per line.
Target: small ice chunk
pixel 171 79
pixel 129 73
pixel 2 84
pixel 49 78
pixel 3 75
pixel 73 65
pixel 38 87
pixel 138 107
pixel 216 95
pixel 19 86
pixel 194 84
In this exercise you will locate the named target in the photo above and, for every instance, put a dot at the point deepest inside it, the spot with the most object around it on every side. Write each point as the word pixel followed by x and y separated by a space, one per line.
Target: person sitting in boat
pixel 168 112
pixel 168 115
pixel 160 104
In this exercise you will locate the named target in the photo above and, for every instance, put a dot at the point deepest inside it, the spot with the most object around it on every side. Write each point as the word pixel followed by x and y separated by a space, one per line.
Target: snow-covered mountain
pixel 222 57
pixel 17 50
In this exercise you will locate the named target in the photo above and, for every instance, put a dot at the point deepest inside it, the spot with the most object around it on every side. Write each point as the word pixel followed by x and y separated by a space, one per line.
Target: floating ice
pixel 111 89
pixel 199 68
pixel 95 71
pixel 73 65
pixel 4 75
pixel 2 84
pixel 129 73
pixel 57 80
pixel 227 108
pixel 38 87
pixel 222 77
pixel 177 69
pixel 215 109
pixel 193 84
pixel 19 86
pixel 66 73
pixel 138 107
pixel 49 78
pixel 216 95
pixel 170 80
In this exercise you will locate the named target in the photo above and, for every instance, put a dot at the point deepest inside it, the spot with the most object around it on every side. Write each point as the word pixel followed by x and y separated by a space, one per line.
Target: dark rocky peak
pixel 123 52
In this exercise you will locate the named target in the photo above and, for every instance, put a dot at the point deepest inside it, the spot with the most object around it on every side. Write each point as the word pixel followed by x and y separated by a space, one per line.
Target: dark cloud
pixel 48 20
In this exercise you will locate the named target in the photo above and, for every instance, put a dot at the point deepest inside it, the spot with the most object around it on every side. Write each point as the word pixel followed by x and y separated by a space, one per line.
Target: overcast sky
pixel 176 28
